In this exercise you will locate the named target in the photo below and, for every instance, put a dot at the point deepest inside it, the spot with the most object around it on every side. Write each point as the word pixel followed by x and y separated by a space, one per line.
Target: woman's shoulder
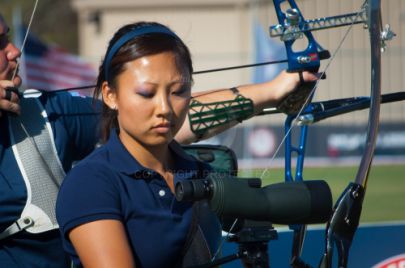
pixel 89 192
pixel 94 167
pixel 87 181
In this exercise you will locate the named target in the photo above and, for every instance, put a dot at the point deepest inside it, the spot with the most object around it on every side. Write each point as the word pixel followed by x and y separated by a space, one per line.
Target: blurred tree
pixel 55 21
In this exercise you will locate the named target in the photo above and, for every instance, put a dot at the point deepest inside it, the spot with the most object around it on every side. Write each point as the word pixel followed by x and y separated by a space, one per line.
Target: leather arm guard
pixel 205 116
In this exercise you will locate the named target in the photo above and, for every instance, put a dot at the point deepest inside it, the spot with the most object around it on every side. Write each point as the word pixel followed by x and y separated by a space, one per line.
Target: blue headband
pixel 149 29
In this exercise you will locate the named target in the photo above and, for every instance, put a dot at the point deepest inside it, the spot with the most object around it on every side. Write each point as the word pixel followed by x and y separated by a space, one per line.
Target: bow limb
pixel 374 25
pixel 346 216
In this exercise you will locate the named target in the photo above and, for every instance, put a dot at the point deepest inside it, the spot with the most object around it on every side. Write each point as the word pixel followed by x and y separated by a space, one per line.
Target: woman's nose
pixel 164 105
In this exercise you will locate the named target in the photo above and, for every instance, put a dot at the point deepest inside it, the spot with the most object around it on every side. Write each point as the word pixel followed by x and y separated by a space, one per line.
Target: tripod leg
pixel 255 255
pixel 298 242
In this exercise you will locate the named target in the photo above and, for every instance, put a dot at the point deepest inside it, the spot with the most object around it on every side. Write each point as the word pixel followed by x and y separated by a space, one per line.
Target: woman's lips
pixel 162 128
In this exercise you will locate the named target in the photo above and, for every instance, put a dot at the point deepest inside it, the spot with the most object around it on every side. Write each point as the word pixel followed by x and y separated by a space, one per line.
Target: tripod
pixel 252 242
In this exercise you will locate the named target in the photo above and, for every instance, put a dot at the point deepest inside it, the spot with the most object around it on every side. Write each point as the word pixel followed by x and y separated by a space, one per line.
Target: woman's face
pixel 152 100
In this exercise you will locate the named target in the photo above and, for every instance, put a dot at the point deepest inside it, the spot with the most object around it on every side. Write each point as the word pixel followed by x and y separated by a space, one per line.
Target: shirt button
pixel 162 192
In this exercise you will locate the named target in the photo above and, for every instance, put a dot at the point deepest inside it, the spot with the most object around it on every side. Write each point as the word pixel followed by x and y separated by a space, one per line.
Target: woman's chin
pixel 163 140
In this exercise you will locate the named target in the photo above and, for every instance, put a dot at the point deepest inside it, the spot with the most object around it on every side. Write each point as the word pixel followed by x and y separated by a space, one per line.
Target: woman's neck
pixel 157 158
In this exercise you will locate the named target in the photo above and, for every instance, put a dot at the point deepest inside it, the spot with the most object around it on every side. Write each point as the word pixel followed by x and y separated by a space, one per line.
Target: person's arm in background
pixel 263 95
pixel 9 54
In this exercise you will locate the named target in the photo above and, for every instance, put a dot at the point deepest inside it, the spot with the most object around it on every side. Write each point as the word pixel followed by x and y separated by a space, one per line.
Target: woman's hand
pixel 286 83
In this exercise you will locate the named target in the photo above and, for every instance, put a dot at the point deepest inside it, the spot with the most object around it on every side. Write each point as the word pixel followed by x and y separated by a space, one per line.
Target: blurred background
pixel 225 33
pixel 69 38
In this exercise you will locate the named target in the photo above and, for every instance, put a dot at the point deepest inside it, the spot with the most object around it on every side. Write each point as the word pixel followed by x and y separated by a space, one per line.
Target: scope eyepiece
pixel 193 190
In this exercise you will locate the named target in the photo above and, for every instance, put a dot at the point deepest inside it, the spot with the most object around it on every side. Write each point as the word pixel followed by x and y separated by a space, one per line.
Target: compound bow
pixel 344 221
pixel 292 26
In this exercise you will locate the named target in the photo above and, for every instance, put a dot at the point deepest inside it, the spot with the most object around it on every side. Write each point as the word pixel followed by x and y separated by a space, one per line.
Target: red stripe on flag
pixel 52 68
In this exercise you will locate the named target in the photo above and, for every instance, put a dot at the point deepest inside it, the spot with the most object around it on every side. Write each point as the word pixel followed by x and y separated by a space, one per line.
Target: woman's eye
pixel 145 93
pixel 181 91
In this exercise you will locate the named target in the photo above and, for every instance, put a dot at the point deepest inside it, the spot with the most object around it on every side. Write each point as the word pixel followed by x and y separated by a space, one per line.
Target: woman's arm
pixel 262 95
pixel 102 243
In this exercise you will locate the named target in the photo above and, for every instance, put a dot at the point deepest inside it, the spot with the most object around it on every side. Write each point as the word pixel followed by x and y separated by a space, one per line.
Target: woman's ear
pixel 109 96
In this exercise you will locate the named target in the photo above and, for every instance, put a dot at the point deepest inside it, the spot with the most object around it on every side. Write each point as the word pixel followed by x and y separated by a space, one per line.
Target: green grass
pixel 385 195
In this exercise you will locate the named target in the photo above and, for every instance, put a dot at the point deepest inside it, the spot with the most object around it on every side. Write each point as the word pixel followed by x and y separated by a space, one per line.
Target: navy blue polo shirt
pixel 74 123
pixel 111 184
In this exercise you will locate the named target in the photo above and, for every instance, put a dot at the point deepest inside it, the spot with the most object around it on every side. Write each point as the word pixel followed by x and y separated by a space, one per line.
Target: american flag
pixel 50 67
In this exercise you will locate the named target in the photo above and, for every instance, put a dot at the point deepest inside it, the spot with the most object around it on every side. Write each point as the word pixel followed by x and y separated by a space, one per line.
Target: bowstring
pixel 25 37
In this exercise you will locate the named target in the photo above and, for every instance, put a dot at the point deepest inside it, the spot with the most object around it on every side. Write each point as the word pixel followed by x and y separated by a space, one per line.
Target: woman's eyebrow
pixel 173 82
